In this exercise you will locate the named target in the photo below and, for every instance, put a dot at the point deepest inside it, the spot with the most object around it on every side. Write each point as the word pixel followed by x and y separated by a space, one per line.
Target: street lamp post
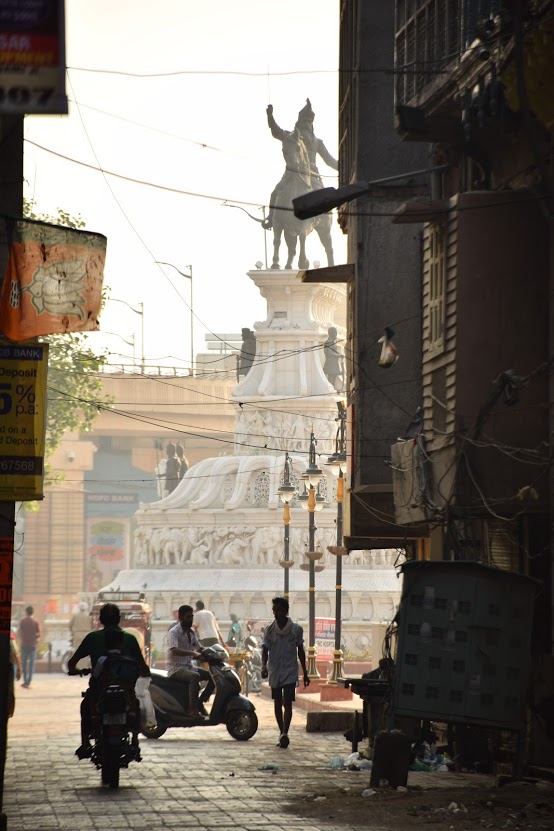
pixel 312 502
pixel 139 311
pixel 337 465
pixel 189 277
pixel 287 492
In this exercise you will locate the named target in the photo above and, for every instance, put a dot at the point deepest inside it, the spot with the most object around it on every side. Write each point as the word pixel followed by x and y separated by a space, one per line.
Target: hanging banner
pixel 325 638
pixel 53 280
pixel 32 57
pixel 23 372
pixel 6 577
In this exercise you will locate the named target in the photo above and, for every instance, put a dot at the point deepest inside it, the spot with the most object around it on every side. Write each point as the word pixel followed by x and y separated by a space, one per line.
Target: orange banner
pixel 53 280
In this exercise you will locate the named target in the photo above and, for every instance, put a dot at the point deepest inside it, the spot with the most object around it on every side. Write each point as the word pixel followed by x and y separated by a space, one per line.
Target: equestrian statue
pixel 300 150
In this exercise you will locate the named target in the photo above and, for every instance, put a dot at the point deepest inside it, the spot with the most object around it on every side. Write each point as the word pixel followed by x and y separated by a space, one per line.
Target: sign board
pixel 107 551
pixel 325 638
pixel 32 57
pixel 23 372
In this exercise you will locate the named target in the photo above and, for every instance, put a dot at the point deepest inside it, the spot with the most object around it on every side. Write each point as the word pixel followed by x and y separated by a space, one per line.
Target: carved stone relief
pixel 254 429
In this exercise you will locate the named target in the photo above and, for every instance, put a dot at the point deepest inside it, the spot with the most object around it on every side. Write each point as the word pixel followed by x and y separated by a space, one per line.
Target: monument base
pixel 332 692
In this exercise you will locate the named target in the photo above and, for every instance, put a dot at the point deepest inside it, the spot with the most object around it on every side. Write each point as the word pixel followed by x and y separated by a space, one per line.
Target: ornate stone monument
pixel 219 534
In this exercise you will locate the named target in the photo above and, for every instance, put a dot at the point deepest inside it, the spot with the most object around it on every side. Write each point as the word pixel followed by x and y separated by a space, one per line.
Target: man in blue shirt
pixel 282 648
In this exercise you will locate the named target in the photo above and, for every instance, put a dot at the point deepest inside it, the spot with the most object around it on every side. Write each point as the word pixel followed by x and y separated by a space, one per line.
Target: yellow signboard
pixel 23 372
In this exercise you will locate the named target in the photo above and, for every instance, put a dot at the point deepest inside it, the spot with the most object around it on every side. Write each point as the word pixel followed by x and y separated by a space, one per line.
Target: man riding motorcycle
pixel 94 646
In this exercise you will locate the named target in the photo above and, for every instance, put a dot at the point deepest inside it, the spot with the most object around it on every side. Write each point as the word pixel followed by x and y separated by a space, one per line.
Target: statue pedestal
pixel 333 692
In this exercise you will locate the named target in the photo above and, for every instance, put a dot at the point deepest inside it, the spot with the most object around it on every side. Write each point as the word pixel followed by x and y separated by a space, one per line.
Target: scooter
pixel 170 700
pixel 253 664
pixel 114 720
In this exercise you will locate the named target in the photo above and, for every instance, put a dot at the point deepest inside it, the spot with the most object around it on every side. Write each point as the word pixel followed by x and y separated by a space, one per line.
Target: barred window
pixel 437 286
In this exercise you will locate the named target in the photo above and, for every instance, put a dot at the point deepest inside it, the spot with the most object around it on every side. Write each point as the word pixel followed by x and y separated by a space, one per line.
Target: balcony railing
pixel 431 37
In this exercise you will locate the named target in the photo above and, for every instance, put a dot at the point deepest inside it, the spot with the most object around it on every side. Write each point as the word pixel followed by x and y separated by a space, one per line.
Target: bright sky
pixel 202 131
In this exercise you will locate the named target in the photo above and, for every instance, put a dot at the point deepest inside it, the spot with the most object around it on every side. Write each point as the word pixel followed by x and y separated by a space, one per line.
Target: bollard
pixel 391 758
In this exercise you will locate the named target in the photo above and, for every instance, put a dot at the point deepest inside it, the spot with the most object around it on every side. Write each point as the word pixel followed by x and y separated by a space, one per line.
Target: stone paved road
pixel 198 777
pixel 204 778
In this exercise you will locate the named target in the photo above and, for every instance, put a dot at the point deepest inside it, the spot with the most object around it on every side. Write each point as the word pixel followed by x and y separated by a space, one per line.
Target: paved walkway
pixel 197 777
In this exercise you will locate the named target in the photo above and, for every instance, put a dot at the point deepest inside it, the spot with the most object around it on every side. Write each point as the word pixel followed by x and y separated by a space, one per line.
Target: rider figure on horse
pixel 305 128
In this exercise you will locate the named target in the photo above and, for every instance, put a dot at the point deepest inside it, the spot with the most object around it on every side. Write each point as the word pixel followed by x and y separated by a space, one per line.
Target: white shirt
pixel 182 639
pixel 205 623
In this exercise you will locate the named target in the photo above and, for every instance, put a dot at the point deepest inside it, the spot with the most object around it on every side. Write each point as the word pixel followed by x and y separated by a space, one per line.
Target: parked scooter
pixel 253 665
pixel 229 707
pixel 115 719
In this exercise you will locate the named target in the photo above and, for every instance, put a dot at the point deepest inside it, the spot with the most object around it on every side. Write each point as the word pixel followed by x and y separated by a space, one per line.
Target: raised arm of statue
pixel 276 131
pixel 326 156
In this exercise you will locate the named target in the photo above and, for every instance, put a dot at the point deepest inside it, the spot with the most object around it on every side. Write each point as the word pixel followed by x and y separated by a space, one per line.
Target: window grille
pixel 437 286
pixel 431 36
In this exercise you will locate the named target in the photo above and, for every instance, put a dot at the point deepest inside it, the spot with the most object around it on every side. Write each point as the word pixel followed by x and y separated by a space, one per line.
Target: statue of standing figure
pixel 301 148
pixel 333 365
pixel 247 353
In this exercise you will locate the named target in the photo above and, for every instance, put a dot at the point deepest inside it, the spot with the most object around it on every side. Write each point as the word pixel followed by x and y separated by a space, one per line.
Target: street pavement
pixel 201 777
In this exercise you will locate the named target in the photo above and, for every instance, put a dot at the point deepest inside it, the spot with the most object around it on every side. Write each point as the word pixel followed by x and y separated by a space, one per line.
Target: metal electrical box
pixel 463 644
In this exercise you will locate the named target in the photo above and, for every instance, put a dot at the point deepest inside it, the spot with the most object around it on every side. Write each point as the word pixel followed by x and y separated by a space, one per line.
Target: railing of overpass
pixel 171 371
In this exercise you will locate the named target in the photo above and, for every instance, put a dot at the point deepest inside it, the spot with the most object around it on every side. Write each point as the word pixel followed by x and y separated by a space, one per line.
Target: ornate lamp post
pixel 286 492
pixel 337 466
pixel 312 502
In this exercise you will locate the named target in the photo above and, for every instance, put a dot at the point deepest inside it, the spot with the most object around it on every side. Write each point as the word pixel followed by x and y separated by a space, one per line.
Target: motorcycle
pixel 170 700
pixel 253 665
pixel 115 719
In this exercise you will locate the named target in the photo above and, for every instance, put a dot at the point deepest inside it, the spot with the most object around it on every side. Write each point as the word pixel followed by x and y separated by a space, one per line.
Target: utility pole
pixel 11 203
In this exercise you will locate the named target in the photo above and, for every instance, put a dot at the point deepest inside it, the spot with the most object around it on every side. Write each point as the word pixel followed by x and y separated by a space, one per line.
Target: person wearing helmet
pixel 282 648
pixel 94 646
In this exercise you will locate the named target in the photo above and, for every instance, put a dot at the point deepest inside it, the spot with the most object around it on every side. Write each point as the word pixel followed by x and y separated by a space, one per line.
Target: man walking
pixel 205 626
pixel 29 637
pixel 282 648
pixel 182 648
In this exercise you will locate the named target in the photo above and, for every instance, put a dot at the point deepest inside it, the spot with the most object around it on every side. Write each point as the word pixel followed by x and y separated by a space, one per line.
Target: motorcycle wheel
pixel 155 732
pixel 110 767
pixel 242 724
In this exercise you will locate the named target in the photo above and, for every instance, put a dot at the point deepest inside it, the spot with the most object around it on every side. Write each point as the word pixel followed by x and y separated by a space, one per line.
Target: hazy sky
pixel 203 130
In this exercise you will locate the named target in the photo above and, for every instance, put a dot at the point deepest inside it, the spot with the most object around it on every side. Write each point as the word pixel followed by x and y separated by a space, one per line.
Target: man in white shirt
pixel 182 648
pixel 206 626
pixel 282 649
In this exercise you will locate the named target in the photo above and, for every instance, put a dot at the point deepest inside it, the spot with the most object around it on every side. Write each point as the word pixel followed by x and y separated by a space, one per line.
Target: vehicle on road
pixel 253 664
pixel 170 700
pixel 114 716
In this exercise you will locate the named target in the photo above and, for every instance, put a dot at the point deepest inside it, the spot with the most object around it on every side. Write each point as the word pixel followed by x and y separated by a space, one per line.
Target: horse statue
pixel 296 181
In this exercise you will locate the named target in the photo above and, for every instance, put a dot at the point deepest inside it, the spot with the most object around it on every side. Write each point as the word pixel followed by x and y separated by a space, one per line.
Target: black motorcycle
pixel 115 718
pixel 170 700
pixel 253 664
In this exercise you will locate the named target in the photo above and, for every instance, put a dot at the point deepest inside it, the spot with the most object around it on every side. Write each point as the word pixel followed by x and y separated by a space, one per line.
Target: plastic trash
pixel 337 763
pixel 421 766
pixel 443 768
pixel 357 762
pixel 270 767
pixel 147 712
pixel 369 792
